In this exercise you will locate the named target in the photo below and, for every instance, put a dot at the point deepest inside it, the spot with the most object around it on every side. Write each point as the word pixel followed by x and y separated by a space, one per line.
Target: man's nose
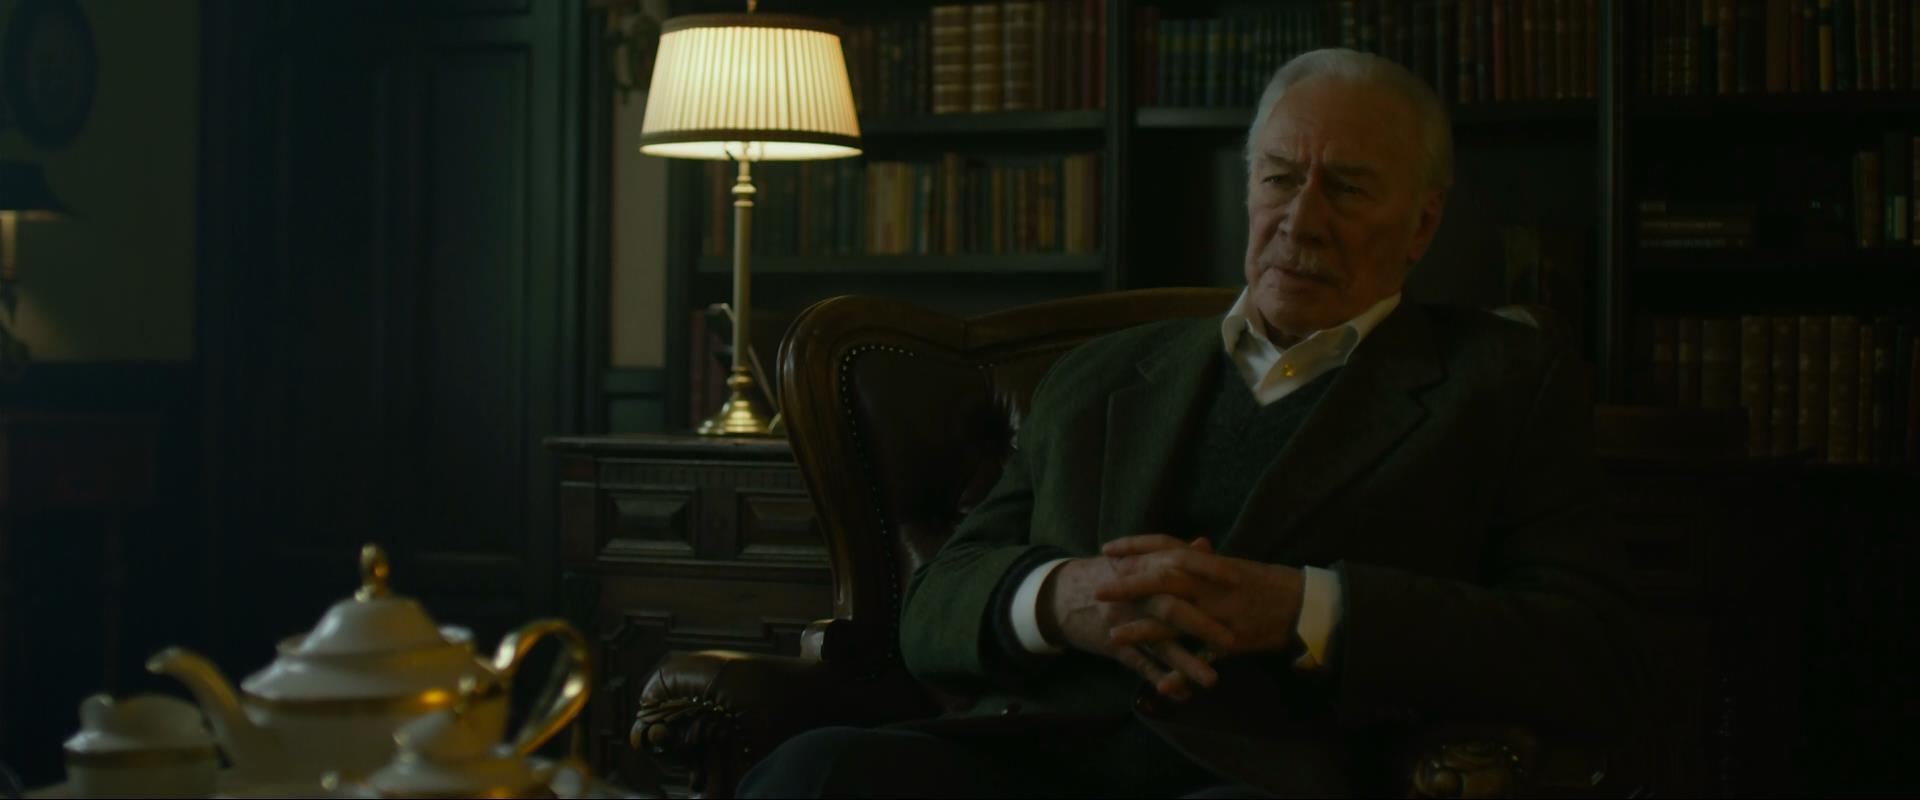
pixel 1305 222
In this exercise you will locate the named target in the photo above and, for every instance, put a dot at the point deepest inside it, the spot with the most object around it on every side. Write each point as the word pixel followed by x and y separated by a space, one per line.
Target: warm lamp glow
pixel 754 87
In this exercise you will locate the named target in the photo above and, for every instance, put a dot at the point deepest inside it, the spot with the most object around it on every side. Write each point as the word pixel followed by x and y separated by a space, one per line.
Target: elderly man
pixel 1235 555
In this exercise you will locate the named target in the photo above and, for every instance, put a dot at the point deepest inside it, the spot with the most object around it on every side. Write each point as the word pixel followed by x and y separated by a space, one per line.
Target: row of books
pixel 1221 61
pixel 1662 224
pixel 1885 183
pixel 1014 55
pixel 954 205
pixel 1840 388
pixel 1745 46
pixel 1875 209
pixel 1481 51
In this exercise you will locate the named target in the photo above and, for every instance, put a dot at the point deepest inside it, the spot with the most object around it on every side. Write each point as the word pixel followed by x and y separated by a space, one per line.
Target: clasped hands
pixel 1143 595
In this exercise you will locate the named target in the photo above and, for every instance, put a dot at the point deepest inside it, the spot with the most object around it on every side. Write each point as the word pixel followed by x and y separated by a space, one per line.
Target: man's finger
pixel 1140 545
pixel 1136 659
pixel 1122 588
pixel 1155 645
pixel 1192 621
pixel 1172 618
pixel 1135 579
pixel 1183 664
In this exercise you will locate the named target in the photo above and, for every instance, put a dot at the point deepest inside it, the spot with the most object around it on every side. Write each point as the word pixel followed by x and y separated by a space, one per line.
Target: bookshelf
pixel 1765 166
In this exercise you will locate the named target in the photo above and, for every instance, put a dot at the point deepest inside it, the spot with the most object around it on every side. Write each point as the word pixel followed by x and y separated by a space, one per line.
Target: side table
pixel 680 542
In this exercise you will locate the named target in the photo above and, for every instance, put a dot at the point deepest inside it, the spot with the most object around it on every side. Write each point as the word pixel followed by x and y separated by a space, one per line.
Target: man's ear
pixel 1426 224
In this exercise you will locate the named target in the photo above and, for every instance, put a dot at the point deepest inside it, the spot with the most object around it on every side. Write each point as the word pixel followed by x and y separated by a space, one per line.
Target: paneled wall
pixel 391 292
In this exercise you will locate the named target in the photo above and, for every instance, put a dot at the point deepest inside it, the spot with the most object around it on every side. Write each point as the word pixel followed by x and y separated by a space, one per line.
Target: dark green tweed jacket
pixel 1447 474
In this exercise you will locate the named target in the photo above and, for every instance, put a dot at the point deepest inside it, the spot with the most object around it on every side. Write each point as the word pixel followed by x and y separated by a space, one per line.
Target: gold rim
pixel 422 702
pixel 530 790
pixel 142 758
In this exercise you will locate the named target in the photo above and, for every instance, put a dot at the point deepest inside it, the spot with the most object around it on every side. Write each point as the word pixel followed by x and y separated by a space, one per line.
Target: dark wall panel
pixel 477 268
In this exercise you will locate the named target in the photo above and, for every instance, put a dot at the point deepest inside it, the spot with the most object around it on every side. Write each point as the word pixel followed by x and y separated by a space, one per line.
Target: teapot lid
pixel 374 620
pixel 143 722
pixel 453 753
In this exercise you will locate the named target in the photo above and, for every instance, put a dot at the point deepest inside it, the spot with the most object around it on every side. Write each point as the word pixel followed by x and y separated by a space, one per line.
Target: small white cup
pixel 145 746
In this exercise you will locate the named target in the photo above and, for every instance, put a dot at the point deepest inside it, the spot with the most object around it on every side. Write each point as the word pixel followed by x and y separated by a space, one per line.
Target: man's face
pixel 1338 204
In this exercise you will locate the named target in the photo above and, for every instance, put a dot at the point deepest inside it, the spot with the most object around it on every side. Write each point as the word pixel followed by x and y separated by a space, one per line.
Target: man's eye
pixel 1281 180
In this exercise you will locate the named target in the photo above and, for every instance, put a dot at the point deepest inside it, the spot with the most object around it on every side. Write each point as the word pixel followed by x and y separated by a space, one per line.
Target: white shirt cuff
pixel 1026 610
pixel 1319 616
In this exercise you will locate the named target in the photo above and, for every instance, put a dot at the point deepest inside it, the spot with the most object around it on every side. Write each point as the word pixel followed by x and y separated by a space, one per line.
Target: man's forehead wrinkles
pixel 1343 168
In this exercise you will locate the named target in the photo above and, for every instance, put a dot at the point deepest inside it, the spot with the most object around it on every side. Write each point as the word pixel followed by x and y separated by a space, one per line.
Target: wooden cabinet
pixel 681 543
pixel 76 496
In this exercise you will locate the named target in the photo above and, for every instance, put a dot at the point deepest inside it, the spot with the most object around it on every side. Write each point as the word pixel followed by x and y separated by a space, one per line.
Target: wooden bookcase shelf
pixel 913 266
pixel 1745 107
pixel 1012 122
pixel 1769 260
pixel 1482 115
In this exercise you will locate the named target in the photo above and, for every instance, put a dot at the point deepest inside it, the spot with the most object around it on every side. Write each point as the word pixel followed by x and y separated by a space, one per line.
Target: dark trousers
pixel 1120 759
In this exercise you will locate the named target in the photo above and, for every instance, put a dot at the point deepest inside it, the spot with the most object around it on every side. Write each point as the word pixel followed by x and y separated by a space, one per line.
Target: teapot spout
pixel 254 751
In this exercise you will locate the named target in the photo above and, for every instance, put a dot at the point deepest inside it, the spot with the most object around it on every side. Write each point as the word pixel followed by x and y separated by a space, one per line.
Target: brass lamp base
pixel 737 417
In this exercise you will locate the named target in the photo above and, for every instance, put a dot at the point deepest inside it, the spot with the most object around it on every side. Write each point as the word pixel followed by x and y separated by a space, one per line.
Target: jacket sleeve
pixel 1546 636
pixel 954 625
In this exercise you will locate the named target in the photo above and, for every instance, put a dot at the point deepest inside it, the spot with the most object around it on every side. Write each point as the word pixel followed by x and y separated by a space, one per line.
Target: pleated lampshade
pixel 760 87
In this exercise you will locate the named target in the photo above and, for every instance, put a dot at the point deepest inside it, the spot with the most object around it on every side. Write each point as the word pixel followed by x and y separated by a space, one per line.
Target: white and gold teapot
pixel 376 661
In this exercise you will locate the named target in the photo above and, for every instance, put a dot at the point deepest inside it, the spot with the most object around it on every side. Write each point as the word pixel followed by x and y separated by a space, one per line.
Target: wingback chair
pixel 900 419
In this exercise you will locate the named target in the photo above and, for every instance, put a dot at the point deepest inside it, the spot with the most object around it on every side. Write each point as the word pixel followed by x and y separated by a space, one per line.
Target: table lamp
pixel 24 195
pixel 745 88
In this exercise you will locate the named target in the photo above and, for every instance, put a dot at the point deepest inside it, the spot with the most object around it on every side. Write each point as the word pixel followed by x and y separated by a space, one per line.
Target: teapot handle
pixel 571 696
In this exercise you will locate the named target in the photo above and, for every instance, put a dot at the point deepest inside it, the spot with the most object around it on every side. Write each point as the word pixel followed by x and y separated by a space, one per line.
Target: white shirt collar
pixel 1238 322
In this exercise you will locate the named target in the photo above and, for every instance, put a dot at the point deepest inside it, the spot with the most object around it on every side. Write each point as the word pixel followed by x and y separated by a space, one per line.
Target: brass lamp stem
pixel 737 417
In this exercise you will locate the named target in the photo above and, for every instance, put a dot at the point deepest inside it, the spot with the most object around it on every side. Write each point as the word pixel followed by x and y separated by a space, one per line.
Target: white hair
pixel 1430 115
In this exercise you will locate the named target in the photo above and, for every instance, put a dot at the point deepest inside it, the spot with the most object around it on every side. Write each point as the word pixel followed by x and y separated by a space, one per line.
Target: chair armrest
pixel 716 713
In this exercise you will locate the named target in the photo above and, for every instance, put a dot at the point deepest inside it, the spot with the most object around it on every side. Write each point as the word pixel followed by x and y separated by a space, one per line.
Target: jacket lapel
pixel 1146 422
pixel 1369 408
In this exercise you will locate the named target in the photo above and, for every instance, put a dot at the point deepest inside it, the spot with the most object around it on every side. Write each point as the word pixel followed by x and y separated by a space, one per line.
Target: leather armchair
pixel 900 419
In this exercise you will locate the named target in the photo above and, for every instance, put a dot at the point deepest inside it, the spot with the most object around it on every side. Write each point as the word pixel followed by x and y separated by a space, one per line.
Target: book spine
pixel 1809 46
pixel 1444 48
pixel 1843 379
pixel 1594 32
pixel 1658 20
pixel 1784 370
pixel 1498 31
pixel 1796 48
pixel 1665 382
pixel 1483 44
pixel 1464 50
pixel 1093 56
pixel 1016 56
pixel 1755 384
pixel 1874 49
pixel 1865 448
pixel 1898 394
pixel 1747 59
pixel 1215 66
pixel 984 68
pixel 1811 404
pixel 1895 167
pixel 951 56
pixel 1866 180
pixel 1896 62
pixel 1913 187
pixel 1779 35
pixel 1884 428
pixel 1720 363
pixel 1558 50
pixel 1686 360
pixel 1824 41
pixel 1843 38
